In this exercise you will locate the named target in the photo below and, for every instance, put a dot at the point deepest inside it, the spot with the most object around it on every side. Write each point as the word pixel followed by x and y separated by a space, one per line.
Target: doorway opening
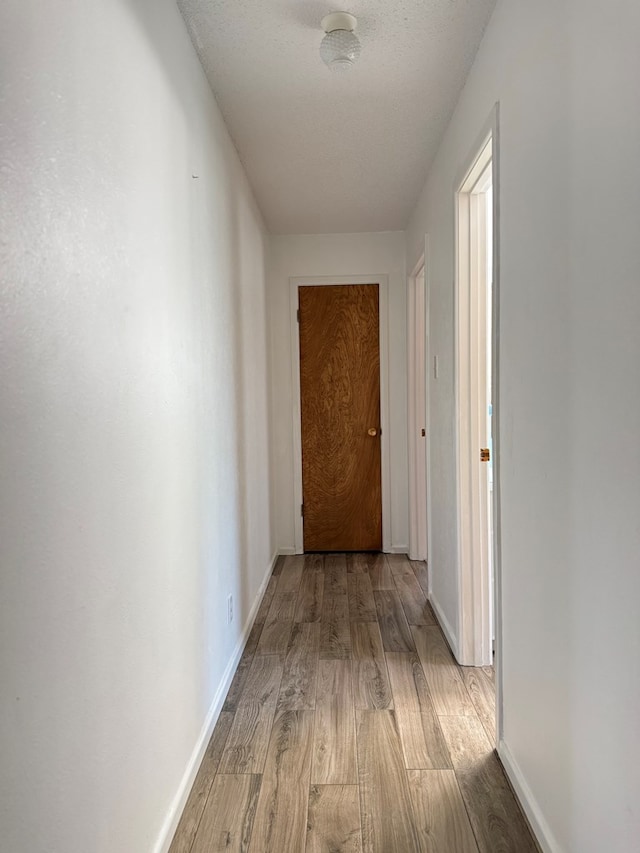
pixel 340 417
pixel 381 438
pixel 418 444
pixel 476 446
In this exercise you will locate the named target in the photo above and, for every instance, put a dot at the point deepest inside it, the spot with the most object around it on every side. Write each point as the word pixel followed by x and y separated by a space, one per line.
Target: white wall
pixel 336 255
pixel 134 432
pixel 570 403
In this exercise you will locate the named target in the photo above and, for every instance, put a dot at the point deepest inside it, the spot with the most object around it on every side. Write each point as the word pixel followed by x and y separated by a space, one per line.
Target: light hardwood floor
pixel 350 728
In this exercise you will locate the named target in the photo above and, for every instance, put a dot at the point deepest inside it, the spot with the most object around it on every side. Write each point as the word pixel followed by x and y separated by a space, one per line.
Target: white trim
pixel 417 408
pixel 447 630
pixel 534 814
pixel 422 335
pixel 490 130
pixel 412 441
pixel 289 551
pixel 398 549
pixel 427 297
pixel 474 613
pixel 411 409
pixel 172 818
pixel 495 426
pixel 471 405
pixel 383 296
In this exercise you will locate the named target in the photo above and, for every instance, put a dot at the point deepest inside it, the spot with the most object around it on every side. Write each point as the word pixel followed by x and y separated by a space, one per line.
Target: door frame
pixel 385 443
pixel 418 327
pixel 474 604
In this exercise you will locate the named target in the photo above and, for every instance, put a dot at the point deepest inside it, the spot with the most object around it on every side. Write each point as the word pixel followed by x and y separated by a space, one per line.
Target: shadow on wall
pixel 135 418
pixel 232 314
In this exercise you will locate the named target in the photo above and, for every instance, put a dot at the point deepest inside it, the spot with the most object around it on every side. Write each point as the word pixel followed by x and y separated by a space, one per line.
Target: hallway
pixel 349 726
pixel 173 172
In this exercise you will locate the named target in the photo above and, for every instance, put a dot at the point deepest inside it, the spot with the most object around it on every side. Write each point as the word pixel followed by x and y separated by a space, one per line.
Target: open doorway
pixel 476 446
pixel 417 349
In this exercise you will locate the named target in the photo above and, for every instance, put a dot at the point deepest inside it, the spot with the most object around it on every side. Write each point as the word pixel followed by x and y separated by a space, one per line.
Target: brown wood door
pixel 340 397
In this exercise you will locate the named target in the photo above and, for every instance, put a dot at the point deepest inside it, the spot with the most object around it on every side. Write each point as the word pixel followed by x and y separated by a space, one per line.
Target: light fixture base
pixel 339 21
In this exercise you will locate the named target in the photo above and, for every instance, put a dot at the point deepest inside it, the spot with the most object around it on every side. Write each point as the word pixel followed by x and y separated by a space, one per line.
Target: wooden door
pixel 340 400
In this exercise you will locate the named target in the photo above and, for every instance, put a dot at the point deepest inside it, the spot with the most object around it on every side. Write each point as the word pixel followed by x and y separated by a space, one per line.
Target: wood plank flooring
pixel 350 728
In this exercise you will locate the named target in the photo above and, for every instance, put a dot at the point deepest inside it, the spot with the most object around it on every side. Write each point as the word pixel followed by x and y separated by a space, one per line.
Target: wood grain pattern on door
pixel 340 408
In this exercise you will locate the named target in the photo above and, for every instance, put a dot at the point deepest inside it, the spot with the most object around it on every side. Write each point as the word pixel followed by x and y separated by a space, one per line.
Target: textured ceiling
pixel 332 152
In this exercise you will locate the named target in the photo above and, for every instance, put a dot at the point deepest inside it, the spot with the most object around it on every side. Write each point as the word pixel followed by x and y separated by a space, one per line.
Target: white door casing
pixel 418 396
pixel 479 601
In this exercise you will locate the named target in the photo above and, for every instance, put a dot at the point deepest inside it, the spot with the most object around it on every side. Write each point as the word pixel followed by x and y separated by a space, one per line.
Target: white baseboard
pixel 259 596
pixel 398 549
pixel 286 552
pixel 447 630
pixel 170 824
pixel 539 826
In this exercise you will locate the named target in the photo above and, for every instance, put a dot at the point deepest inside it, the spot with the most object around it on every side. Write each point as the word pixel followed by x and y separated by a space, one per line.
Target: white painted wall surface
pixel 336 255
pixel 134 431
pixel 570 403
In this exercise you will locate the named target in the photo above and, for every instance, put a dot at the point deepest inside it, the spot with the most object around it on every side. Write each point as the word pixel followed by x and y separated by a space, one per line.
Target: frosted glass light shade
pixel 340 49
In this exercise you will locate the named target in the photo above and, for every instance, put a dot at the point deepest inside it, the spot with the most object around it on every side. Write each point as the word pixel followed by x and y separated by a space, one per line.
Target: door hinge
pixel 423 432
pixel 302 510
pixel 485 455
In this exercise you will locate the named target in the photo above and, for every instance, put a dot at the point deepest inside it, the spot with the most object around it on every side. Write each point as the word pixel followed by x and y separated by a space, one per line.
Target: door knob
pixel 372 431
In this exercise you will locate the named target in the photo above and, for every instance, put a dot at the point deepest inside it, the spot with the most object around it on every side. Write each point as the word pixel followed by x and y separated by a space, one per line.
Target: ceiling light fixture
pixel 340 47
